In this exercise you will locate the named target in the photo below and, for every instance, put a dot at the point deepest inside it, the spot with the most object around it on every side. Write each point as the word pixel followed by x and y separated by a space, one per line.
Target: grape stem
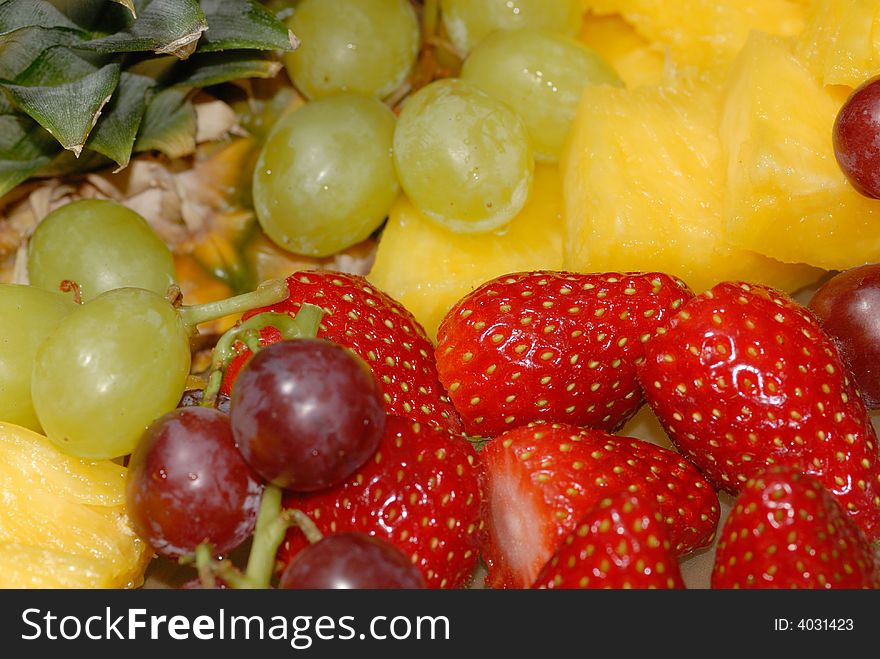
pixel 304 325
pixel 271 526
pixel 267 293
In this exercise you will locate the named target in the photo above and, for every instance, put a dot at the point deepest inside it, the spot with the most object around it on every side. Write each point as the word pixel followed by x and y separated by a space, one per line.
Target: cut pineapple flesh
pixel 428 268
pixel 631 55
pixel 705 32
pixel 841 43
pixel 63 521
pixel 786 195
pixel 643 183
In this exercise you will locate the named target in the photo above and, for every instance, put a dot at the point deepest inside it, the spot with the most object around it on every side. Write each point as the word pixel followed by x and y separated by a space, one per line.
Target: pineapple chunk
pixel 630 54
pixel 63 521
pixel 841 43
pixel 705 32
pixel 429 268
pixel 786 195
pixel 643 183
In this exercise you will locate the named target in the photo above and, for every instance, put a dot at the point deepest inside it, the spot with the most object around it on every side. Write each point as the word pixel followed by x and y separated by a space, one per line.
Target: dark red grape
pixel 848 306
pixel 306 413
pixel 348 561
pixel 188 484
pixel 857 138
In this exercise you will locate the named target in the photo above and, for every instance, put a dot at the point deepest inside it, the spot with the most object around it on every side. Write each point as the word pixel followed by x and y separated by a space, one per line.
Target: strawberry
pixel 744 378
pixel 420 492
pixel 621 543
pixel 552 346
pixel 379 330
pixel 541 479
pixel 787 531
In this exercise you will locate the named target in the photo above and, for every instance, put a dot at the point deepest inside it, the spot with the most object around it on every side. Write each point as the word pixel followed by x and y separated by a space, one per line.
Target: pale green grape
pixel 462 157
pixel 101 245
pixel 109 369
pixel 542 76
pixel 29 315
pixel 362 46
pixel 469 21
pixel 325 178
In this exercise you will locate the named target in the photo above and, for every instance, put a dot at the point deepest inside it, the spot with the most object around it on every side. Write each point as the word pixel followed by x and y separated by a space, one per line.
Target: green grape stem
pixel 271 526
pixel 304 325
pixel 267 293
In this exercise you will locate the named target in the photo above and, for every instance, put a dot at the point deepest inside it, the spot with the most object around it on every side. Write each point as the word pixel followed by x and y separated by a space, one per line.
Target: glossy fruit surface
pixel 306 413
pixel 463 157
pixel 100 245
pixel 188 484
pixel 857 138
pixel 108 370
pixel 325 178
pixel 848 306
pixel 348 561
pixel 31 314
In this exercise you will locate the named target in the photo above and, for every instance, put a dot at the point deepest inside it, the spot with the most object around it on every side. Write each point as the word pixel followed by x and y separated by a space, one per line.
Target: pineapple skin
pixel 643 183
pixel 428 268
pixel 63 522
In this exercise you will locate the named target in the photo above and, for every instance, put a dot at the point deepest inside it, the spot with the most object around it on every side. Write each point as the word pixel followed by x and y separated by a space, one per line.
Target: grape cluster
pixel 463 148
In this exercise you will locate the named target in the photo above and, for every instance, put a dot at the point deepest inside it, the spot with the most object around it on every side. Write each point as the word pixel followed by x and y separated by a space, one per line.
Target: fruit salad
pixel 558 294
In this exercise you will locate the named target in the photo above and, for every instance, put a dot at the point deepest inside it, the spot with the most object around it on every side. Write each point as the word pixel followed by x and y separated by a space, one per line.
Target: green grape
pixel 469 21
pixel 120 361
pixel 108 370
pixel 101 245
pixel 30 315
pixel 542 76
pixel 462 157
pixel 325 178
pixel 362 46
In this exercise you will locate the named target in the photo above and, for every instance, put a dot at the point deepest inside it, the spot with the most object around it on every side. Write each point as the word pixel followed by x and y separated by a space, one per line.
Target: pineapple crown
pixel 86 83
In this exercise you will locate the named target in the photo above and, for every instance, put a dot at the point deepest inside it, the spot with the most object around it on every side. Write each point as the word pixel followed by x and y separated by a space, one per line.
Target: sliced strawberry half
pixel 541 479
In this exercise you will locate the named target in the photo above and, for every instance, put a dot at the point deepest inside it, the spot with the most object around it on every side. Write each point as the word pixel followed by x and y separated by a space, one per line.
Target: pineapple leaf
pixel 237 24
pixel 128 4
pixel 169 124
pixel 16 14
pixel 116 130
pixel 162 26
pixel 215 68
pixel 20 47
pixel 25 148
pixel 67 111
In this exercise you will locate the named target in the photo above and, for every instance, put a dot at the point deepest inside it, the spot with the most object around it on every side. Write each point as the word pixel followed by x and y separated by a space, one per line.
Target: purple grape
pixel 306 414
pixel 188 484
pixel 857 138
pixel 349 561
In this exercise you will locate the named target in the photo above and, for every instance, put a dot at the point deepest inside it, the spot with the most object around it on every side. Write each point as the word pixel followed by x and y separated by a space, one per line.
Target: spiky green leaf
pixel 19 48
pixel 169 124
pixel 67 111
pixel 162 26
pixel 15 14
pixel 215 68
pixel 116 130
pixel 238 24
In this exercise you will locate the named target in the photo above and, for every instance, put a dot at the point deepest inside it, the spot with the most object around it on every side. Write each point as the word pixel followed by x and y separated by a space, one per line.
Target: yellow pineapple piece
pixel 841 43
pixel 428 268
pixel 63 520
pixel 635 61
pixel 643 183
pixel 786 196
pixel 705 32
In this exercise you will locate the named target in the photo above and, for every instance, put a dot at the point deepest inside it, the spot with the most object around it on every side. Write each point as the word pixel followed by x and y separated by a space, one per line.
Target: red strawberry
pixel 621 543
pixel 744 378
pixel 552 346
pixel 541 479
pixel 420 492
pixel 787 531
pixel 376 327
